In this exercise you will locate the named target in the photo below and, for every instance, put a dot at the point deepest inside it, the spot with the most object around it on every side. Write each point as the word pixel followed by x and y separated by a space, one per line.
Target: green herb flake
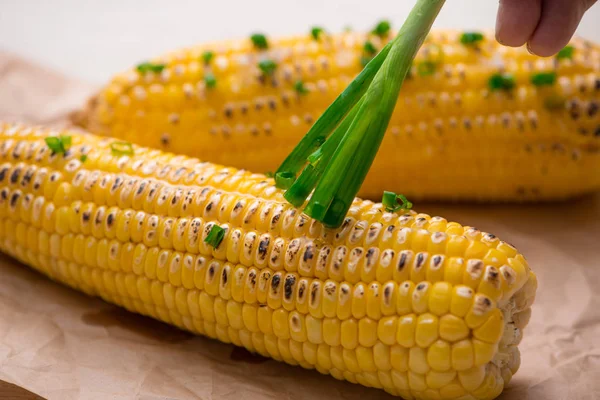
pixel 283 180
pixel 426 68
pixel 369 48
pixel 300 88
pixel 501 82
pixel 471 38
pixel 566 53
pixel 210 81
pixel 544 79
pixel 121 149
pixel 394 202
pixel 267 66
pixel 207 57
pixel 316 32
pixel 382 29
pixel 259 41
pixel 150 67
pixel 83 158
pixel 58 144
pixel 215 236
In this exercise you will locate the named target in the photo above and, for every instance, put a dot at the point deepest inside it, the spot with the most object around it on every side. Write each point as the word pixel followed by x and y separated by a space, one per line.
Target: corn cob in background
pixel 418 306
pixel 475 121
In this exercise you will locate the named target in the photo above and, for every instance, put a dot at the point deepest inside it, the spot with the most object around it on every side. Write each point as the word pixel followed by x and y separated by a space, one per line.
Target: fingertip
pixel 516 21
pixel 544 47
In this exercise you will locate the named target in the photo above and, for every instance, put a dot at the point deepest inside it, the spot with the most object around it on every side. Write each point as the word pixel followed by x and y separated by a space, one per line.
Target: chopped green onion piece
pixel 354 126
pixel 471 38
pixel 566 53
pixel 83 158
pixel 215 236
pixel 121 149
pixel 300 87
pixel 501 82
pixel 316 32
pixel 544 79
pixel 210 81
pixel 426 68
pixel 58 144
pixel 283 180
pixel 267 67
pixel 555 102
pixel 207 57
pixel 369 48
pixel 259 41
pixel 150 67
pixel 394 202
pixel 382 28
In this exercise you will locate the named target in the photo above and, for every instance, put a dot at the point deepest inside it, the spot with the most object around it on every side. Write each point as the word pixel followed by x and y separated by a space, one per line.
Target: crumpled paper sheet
pixel 63 345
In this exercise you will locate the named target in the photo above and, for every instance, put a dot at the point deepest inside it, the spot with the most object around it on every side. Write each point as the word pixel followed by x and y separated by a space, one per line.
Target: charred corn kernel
pixel 418 309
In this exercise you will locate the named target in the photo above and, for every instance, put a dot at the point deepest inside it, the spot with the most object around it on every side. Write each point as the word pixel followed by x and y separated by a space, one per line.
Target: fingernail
pixel 529 49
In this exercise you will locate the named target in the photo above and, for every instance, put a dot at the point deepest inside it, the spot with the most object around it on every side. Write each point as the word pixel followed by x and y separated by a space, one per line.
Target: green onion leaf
pixel 544 79
pixel 316 32
pixel 394 202
pixel 300 88
pixel 259 41
pixel 121 149
pixel 58 144
pixel 501 82
pixel 210 81
pixel 207 57
pixel 566 53
pixel 83 158
pixel 382 29
pixel 267 66
pixel 471 38
pixel 364 61
pixel 369 48
pixel 150 67
pixel 215 236
pixel 353 127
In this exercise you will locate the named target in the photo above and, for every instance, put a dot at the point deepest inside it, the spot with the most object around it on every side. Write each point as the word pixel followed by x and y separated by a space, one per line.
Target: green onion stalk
pixel 333 158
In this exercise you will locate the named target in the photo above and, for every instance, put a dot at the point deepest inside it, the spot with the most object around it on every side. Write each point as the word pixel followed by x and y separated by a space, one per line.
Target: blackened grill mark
pixel 289 283
pixel 344 290
pixel 4 194
pixel 593 109
pixel 86 216
pixel 301 291
pixel 14 177
pixel 263 246
pixel 209 206
pixel 402 261
pixel 387 292
pixel 391 228
pixel 224 276
pixel 313 294
pixel 597 132
pixel 14 198
pixel 238 205
pixel 27 177
pixel 110 219
pixel 252 276
pixel 141 188
pixel 421 286
pixel 211 272
pixel 3 173
pixel 275 282
pixel 308 254
pixel 437 260
pixel 116 184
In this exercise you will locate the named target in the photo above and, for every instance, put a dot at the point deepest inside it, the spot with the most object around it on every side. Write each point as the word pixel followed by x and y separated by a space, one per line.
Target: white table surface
pixel 92 39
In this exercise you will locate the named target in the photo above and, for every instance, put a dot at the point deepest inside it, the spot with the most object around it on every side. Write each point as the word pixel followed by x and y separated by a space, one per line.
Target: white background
pixel 93 39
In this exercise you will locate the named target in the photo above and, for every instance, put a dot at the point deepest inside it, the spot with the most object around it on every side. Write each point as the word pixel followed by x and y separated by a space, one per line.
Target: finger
pixel 517 20
pixel 558 23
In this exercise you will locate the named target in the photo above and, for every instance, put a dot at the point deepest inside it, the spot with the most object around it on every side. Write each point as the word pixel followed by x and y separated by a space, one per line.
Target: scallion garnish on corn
pixel 215 236
pixel 333 159
pixel 121 149
pixel 58 144
pixel 150 67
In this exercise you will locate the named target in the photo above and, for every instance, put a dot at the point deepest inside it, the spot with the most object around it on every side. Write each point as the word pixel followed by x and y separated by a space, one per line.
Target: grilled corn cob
pixel 418 306
pixel 476 120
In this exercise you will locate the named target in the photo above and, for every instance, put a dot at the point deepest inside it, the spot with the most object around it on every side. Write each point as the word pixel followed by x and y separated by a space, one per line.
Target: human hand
pixel 545 25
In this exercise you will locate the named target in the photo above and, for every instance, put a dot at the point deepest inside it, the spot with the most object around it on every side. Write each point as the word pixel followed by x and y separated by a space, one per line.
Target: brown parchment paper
pixel 63 345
